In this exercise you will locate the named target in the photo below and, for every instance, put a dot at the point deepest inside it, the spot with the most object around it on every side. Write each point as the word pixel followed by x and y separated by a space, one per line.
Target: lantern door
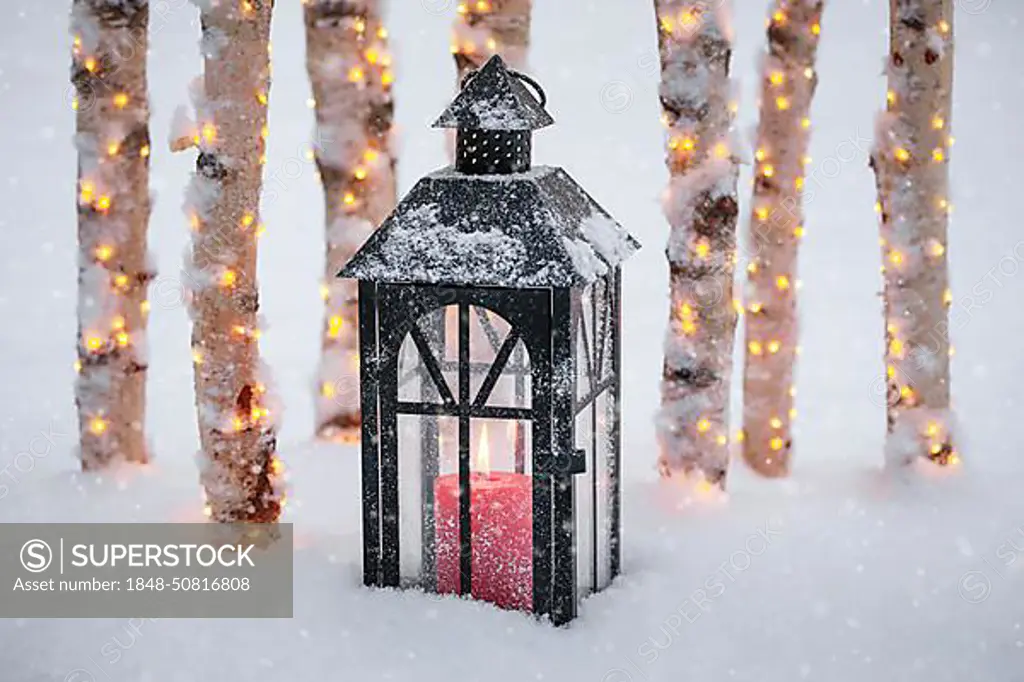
pixel 458 440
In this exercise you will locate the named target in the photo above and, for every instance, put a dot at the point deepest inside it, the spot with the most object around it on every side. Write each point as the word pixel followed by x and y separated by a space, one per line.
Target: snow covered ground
pixel 837 574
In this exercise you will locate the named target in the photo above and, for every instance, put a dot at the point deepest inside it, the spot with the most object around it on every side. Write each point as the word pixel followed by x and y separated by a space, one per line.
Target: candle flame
pixel 483 451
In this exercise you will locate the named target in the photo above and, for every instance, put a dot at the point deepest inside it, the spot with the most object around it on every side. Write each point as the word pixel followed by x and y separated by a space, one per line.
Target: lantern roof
pixel 532 229
pixel 494 98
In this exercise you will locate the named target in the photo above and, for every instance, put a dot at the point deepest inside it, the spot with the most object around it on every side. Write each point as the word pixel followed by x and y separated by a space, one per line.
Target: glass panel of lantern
pixel 594 343
pixel 500 462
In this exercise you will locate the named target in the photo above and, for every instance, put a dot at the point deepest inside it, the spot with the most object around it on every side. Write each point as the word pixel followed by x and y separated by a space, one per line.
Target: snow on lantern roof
pixel 532 229
pixel 495 98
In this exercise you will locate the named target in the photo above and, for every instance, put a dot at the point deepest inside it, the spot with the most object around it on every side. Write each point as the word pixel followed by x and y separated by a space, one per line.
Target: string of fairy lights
pixel 788 83
pixel 217 280
pixel 912 155
pixel 698 146
pixel 109 332
pixel 367 77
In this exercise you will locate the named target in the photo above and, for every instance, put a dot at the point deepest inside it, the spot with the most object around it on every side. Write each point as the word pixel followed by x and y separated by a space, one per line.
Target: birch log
pixel 788 81
pixel 485 28
pixel 350 70
pixel 911 163
pixel 109 77
pixel 238 462
pixel 701 207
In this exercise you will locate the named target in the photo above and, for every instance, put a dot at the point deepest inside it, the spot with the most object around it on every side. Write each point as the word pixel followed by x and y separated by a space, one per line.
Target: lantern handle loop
pixel 541 96
pixel 539 91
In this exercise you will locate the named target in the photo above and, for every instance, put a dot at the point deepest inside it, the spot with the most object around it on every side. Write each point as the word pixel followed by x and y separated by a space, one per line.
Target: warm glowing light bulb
pixel 334 325
pixel 703 425
pixel 773 347
pixel 782 103
pixel 775 423
pixel 777 78
pixel 104 252
pixel 356 74
pixel 755 348
pixel 782 282
pixel 121 100
pixel 938 155
pixel 768 170
pixel 97 426
pixel 776 443
pixel 902 155
pixel 228 278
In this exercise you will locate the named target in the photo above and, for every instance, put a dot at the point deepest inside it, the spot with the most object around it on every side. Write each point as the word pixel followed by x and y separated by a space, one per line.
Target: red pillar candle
pixel 501 519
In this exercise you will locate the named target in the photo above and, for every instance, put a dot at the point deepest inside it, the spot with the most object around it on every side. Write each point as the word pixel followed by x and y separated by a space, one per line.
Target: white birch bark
pixel 701 207
pixel 351 73
pixel 911 163
pixel 484 28
pixel 238 462
pixel 111 101
pixel 788 81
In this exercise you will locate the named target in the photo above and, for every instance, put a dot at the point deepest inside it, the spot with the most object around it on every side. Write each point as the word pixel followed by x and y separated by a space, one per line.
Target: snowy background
pixel 836 574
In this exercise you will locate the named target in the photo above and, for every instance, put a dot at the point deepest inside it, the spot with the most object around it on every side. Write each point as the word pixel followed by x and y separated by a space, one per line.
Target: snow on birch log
pixel 788 81
pixel 485 28
pixel 911 163
pixel 109 76
pixel 701 207
pixel 351 73
pixel 238 463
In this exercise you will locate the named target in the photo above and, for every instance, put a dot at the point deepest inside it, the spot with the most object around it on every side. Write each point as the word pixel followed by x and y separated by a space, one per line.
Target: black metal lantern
pixel 489 305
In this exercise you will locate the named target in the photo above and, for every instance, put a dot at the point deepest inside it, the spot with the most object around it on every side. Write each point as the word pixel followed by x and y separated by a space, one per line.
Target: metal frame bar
pixel 563 600
pixel 500 360
pixel 429 363
pixel 615 434
pixel 465 522
pixel 368 376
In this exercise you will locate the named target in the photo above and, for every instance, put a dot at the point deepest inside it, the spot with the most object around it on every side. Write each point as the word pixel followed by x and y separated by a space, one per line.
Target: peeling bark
pixel 238 462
